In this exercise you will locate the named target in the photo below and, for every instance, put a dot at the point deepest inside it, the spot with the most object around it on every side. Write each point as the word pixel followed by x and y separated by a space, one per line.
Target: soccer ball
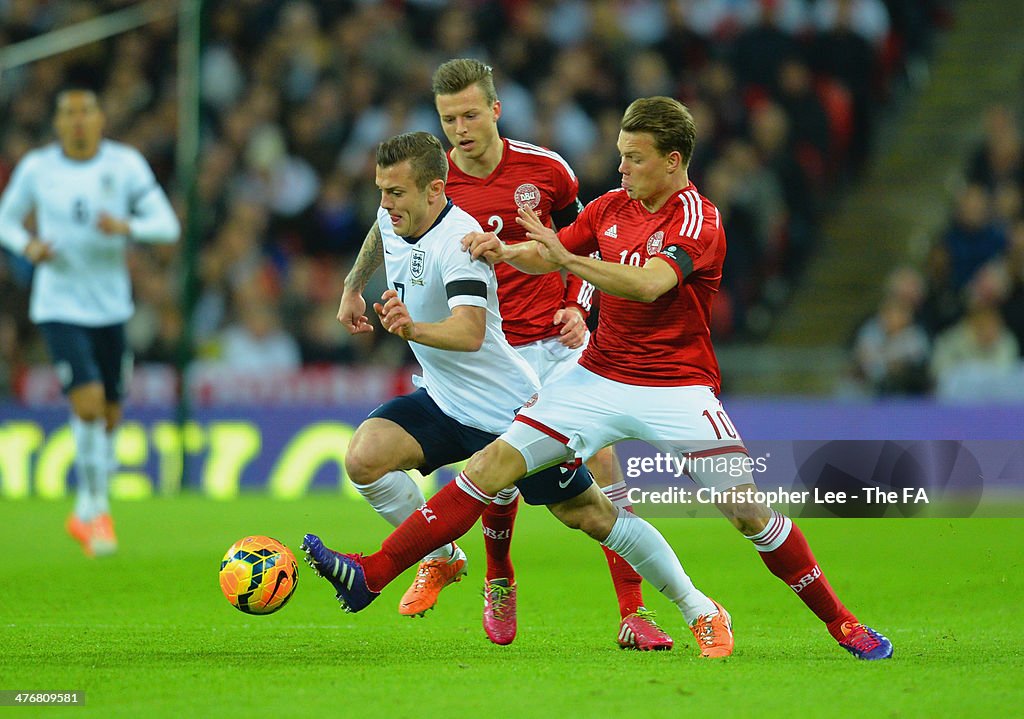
pixel 258 575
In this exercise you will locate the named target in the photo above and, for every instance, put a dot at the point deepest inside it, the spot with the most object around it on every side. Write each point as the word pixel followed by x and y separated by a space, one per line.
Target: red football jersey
pixel 666 342
pixel 537 177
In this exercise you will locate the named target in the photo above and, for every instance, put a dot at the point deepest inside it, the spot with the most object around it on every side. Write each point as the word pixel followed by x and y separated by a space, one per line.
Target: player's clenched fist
pixel 394 315
pixel 485 245
pixel 352 313
pixel 37 251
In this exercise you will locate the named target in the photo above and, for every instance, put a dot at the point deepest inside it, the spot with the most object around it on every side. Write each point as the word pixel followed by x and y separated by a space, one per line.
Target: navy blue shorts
pixel 445 441
pixel 82 355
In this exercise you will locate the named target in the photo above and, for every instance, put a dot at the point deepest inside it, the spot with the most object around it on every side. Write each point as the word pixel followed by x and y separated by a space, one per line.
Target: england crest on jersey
pixel 417 266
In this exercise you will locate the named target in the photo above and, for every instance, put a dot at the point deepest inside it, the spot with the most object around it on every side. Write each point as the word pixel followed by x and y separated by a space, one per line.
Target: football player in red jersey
pixel 648 373
pixel 491 177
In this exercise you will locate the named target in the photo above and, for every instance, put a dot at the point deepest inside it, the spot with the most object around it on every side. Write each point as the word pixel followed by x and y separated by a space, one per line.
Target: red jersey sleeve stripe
pixel 528 149
pixel 693 215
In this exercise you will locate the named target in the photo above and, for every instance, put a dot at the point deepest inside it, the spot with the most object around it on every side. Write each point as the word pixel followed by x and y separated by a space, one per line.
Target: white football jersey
pixel 433 275
pixel 86 282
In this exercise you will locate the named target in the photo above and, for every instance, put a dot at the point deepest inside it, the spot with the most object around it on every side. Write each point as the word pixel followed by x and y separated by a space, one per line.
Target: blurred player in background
pixel 544 319
pixel 649 372
pixel 445 304
pixel 88 196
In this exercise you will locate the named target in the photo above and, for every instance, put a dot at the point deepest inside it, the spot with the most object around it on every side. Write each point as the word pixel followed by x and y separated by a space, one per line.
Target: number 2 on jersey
pixel 496 224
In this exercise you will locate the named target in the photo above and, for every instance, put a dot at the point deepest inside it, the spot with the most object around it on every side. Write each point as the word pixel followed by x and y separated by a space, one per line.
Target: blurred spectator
pixel 891 351
pixel 770 131
pixel 999 160
pixel 1013 307
pixel 943 303
pixel 257 343
pixel 973 237
pixel 979 346
pixel 906 286
pixel 869 19
pixel 808 121
pixel 165 344
pixel 847 55
pixel 760 50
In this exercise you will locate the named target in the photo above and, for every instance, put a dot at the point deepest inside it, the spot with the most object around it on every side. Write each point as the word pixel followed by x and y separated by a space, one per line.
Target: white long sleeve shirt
pixel 86 282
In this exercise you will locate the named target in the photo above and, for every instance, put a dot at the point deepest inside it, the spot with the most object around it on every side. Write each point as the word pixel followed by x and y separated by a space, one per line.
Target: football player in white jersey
pixel 445 305
pixel 89 196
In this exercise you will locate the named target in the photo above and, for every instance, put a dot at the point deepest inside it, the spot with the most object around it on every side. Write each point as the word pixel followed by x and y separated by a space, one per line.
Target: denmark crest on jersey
pixel 527 195
pixel 655 243
pixel 417 266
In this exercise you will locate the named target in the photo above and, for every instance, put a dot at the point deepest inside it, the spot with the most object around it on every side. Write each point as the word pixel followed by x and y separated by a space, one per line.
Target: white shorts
pixel 549 358
pixel 581 412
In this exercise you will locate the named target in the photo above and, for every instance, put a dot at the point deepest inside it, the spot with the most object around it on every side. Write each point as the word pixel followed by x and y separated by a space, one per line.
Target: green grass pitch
pixel 147 633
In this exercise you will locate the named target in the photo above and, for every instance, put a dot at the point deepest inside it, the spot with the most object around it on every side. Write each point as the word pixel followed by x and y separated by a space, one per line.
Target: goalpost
pixel 189 14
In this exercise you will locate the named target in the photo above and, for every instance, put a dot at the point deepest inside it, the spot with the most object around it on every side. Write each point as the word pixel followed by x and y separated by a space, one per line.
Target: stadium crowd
pixel 296 95
pixel 956 326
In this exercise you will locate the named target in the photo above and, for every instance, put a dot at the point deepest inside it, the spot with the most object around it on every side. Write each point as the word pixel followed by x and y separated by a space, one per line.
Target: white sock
pixel 618 494
pixel 640 544
pixel 112 463
pixel 394 497
pixel 101 491
pixel 775 532
pixel 90 466
pixel 506 496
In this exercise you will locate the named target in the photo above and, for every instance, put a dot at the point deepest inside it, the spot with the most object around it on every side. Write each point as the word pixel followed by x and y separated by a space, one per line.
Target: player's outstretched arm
pixel 643 284
pixel 370 257
pixel 524 256
pixel 545 239
pixel 462 332
pixel 352 308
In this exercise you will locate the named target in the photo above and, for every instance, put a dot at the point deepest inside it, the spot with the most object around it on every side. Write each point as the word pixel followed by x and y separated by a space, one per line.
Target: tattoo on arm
pixel 370 257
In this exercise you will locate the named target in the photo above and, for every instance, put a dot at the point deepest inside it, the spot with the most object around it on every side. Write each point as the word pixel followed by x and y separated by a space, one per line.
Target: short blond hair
pixel 456 75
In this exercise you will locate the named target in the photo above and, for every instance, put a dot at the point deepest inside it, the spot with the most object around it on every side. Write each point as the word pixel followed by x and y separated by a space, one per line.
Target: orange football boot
pixel 104 541
pixel 714 633
pixel 81 532
pixel 432 576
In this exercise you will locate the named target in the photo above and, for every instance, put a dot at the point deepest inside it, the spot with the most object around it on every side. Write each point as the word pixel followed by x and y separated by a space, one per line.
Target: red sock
pixel 447 516
pixel 784 550
pixel 626 582
pixel 498 521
